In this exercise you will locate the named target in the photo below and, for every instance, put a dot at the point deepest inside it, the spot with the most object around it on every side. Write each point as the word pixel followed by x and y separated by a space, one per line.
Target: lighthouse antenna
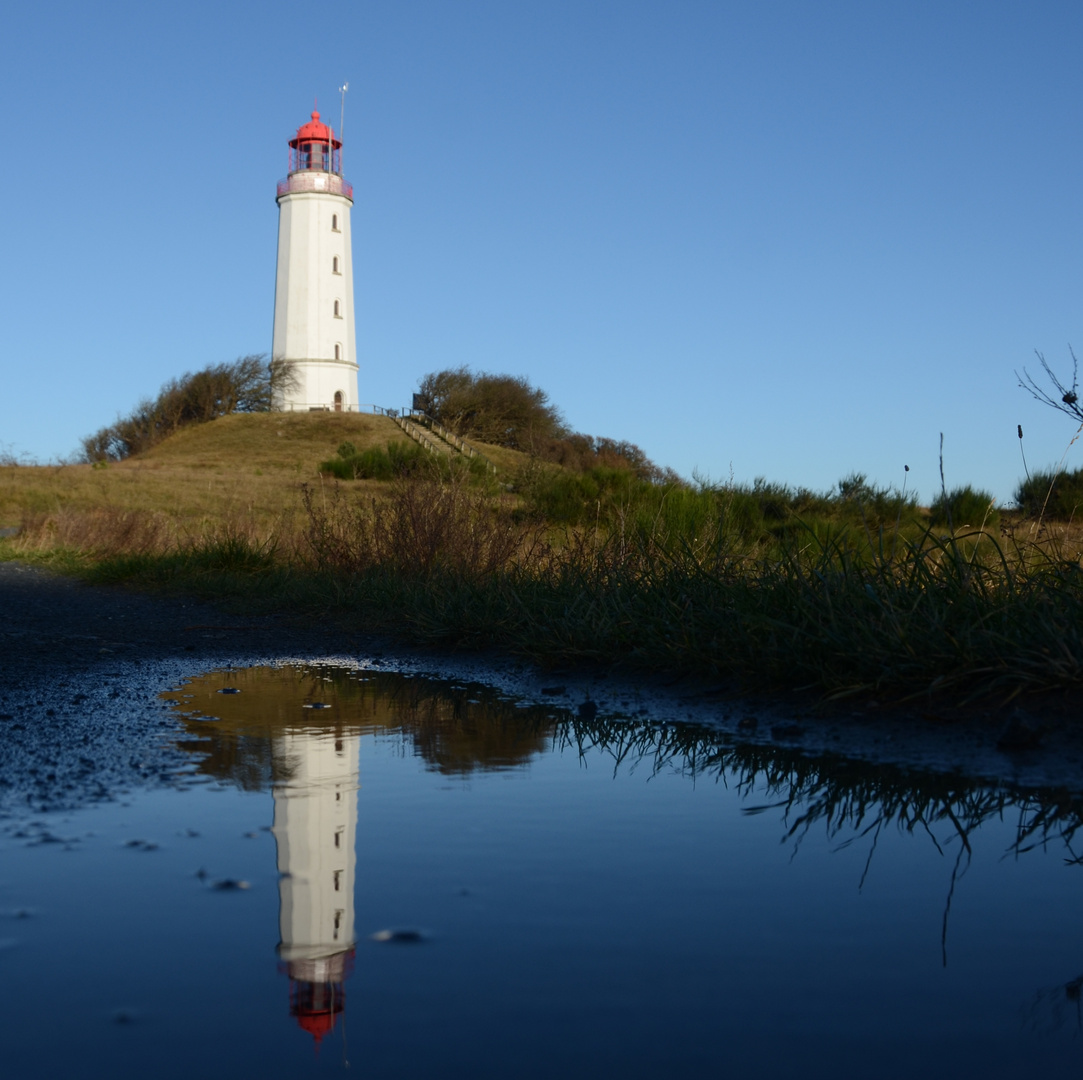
pixel 341 123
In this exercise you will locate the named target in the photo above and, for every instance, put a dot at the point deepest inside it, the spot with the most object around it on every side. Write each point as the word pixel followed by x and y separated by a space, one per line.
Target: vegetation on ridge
pixel 501 409
pixel 599 557
pixel 248 384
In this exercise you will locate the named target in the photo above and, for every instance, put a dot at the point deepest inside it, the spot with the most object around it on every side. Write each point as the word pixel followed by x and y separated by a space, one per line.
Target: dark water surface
pixel 424 880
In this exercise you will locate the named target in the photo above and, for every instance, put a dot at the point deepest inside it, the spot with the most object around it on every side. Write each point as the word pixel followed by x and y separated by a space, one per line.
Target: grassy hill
pixel 248 465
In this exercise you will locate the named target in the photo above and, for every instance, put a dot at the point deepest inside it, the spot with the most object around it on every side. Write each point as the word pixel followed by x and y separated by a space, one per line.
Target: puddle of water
pixel 424 880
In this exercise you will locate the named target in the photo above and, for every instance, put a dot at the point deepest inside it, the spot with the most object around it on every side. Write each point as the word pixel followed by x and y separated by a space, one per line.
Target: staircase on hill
pixel 437 439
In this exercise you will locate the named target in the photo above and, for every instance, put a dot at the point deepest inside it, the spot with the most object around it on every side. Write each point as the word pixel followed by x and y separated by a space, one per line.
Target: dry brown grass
pixel 423 525
pixel 240 470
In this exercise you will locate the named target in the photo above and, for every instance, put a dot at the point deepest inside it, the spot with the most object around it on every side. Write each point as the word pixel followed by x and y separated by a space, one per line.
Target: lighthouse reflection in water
pixel 315 824
pixel 298 732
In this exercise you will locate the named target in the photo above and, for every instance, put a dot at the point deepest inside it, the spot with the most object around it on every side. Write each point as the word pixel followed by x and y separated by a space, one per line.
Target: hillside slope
pixel 291 442
pixel 245 464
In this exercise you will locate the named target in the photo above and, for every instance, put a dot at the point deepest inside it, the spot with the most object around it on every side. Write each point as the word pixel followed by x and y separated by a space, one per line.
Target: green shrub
pixel 564 497
pixel 406 457
pixel 338 468
pixel 398 459
pixel 1059 495
pixel 605 495
pixel 965 507
pixel 618 498
pixel 374 464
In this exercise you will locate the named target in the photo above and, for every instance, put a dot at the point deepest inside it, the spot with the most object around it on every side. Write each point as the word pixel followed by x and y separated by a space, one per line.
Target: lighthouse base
pixel 317 385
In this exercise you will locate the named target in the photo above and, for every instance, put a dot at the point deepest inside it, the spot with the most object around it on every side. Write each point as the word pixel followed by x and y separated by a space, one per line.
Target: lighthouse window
pixel 338 878
pixel 338 314
pixel 334 222
pixel 338 352
pixel 334 265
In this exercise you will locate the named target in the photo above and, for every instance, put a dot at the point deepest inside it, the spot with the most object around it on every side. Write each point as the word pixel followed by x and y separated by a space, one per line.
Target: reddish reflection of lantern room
pixel 317 993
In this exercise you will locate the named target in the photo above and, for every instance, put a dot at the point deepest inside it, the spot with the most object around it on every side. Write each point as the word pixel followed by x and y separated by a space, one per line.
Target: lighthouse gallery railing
pixel 315 181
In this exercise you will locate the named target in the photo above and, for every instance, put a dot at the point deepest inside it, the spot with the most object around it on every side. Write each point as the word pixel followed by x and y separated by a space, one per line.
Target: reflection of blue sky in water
pixel 598 898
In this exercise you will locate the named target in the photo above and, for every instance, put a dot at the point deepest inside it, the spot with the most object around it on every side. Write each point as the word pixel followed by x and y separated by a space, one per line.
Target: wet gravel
pixel 81 669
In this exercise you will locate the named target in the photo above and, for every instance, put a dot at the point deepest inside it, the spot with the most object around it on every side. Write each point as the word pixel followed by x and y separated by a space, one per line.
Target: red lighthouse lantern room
pixel 315 149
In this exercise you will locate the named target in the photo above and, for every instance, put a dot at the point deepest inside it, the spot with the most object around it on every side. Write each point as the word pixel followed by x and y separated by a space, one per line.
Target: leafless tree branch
pixel 1062 398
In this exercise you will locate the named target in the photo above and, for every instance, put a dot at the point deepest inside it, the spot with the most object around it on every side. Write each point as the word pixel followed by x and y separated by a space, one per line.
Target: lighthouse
pixel 314 347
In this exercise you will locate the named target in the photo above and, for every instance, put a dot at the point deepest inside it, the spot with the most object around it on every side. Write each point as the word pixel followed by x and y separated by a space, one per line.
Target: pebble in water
pixel 230 885
pixel 399 937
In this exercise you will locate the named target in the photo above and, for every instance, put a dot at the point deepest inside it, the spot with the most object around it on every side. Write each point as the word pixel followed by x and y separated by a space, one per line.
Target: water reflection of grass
pixel 456 729
pixel 853 801
pixel 842 794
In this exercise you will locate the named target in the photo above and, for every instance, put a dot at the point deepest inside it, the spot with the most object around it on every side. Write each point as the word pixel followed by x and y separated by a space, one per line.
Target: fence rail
pixel 323 406
pixel 418 434
pixel 422 428
pixel 452 439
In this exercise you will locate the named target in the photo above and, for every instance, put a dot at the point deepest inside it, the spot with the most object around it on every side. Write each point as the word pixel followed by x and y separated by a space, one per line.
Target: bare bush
pixel 245 385
pixel 424 526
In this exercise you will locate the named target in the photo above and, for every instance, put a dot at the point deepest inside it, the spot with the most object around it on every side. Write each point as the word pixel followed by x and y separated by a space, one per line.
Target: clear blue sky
pixel 787 239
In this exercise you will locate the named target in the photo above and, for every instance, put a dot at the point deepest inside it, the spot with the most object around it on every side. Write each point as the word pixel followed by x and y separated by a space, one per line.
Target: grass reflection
pixel 456 729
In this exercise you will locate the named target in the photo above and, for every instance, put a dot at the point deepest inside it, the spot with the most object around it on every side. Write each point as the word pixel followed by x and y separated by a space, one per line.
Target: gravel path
pixel 53 627
pixel 80 671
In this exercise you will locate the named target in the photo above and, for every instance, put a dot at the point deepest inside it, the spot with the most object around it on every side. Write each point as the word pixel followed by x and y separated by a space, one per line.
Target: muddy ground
pixel 81 669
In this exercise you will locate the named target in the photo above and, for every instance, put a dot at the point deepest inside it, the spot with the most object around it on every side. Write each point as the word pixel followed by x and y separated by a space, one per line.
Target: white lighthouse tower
pixel 314 342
